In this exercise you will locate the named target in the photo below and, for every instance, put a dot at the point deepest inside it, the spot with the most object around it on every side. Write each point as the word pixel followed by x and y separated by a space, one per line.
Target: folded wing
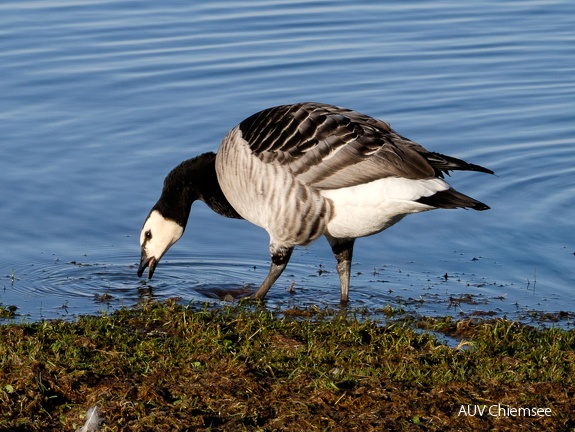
pixel 328 147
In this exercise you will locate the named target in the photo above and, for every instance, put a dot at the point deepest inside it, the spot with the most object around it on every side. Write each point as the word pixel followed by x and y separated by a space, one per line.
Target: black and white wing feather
pixel 328 147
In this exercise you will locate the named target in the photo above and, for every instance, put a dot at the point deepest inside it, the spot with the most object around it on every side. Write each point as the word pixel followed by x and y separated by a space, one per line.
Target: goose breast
pixel 266 193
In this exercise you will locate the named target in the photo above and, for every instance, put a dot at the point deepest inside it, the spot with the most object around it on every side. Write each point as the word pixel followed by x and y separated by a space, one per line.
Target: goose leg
pixel 343 251
pixel 280 258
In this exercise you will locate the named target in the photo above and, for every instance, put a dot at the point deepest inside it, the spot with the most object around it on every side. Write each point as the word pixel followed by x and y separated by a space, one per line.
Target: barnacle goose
pixel 302 171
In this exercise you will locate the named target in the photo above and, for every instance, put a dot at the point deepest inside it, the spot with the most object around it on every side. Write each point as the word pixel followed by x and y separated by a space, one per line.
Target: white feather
pixel 369 208
pixel 93 420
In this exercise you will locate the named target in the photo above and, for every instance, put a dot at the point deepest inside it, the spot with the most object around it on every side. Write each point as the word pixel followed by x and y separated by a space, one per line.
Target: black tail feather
pixel 451 199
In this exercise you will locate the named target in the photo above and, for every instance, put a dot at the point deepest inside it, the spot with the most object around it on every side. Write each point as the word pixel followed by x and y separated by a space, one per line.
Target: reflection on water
pixel 100 100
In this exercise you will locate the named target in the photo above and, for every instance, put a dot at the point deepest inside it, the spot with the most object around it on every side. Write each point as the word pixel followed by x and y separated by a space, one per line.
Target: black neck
pixel 192 180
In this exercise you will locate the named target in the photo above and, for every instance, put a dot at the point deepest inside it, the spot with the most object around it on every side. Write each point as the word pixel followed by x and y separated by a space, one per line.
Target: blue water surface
pixel 100 99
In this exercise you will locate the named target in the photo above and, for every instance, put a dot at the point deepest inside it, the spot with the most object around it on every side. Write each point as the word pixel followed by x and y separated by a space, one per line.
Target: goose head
pixel 158 235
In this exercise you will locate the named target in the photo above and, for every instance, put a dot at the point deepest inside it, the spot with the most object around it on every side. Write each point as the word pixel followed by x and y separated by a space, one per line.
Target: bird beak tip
pixel 149 263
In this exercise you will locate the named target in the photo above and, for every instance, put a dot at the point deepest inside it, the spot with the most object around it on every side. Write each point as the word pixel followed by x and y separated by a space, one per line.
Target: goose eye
pixel 148 235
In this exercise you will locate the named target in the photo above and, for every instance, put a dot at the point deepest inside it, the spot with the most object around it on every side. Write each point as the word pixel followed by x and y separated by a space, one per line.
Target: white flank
pixel 372 207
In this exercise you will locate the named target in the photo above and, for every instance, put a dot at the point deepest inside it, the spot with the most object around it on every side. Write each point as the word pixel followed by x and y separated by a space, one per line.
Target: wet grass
pixel 162 366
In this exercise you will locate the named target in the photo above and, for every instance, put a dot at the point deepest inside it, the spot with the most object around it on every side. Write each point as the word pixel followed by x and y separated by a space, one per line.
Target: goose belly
pixel 369 208
pixel 267 194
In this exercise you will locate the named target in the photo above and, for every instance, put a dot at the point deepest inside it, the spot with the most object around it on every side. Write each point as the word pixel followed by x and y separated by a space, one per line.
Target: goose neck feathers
pixel 193 179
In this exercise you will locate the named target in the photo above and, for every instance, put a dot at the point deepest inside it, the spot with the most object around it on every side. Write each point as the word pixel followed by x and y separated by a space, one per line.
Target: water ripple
pixel 100 99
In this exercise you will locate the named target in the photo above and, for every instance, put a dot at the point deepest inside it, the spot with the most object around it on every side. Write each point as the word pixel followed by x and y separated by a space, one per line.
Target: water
pixel 100 99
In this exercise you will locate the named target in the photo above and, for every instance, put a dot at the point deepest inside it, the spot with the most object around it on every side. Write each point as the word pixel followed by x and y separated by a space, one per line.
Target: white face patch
pixel 158 235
